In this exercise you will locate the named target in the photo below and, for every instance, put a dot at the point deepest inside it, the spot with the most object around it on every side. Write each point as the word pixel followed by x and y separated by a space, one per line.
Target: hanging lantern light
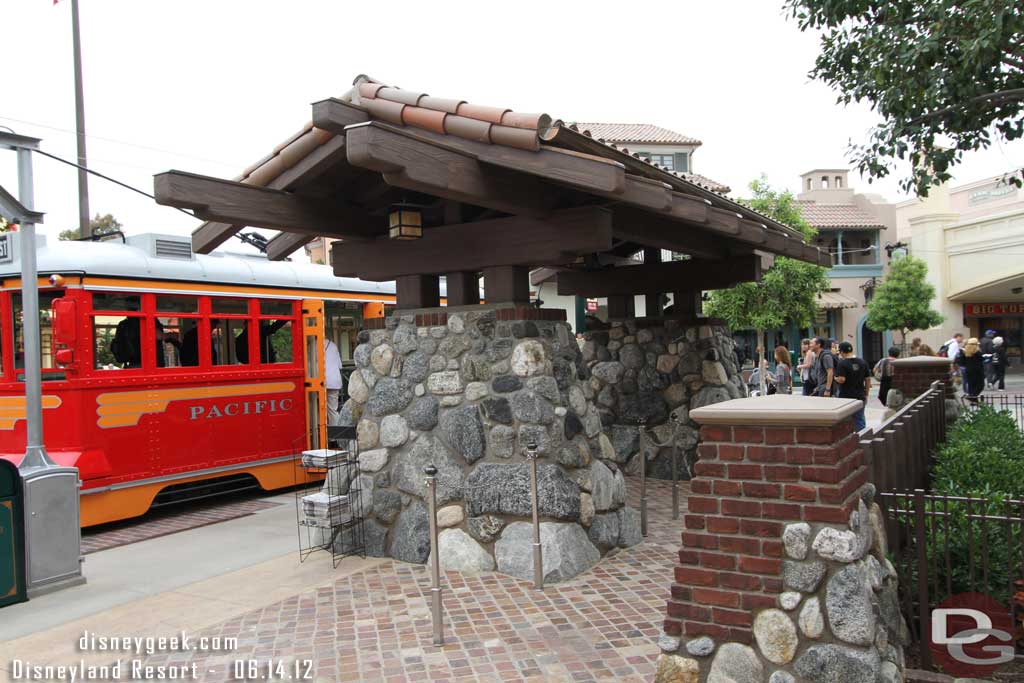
pixel 405 222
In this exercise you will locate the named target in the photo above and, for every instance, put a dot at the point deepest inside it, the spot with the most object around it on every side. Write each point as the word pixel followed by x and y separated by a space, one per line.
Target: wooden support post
pixel 417 291
pixel 507 284
pixel 686 304
pixel 621 307
pixel 463 288
pixel 652 302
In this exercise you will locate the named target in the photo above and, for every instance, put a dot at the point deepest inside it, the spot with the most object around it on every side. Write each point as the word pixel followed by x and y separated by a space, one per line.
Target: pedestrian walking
pixel 806 367
pixel 854 381
pixel 332 381
pixel 783 371
pixel 987 347
pixel 1000 361
pixel 824 367
pixel 970 361
pixel 883 372
pixel 951 350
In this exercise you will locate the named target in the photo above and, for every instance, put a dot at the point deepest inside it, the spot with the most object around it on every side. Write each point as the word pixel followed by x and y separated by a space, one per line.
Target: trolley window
pixel 228 306
pixel 117 341
pixel 116 301
pixel 230 341
pixel 49 365
pixel 177 304
pixel 276 308
pixel 117 330
pixel 276 343
pixel 177 337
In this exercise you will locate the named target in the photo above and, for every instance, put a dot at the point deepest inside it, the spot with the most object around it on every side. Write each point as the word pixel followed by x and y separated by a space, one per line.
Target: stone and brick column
pixel 914 375
pixel 782 574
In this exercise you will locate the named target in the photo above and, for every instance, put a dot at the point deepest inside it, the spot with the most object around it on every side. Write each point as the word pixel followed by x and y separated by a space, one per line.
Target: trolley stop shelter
pixel 416 187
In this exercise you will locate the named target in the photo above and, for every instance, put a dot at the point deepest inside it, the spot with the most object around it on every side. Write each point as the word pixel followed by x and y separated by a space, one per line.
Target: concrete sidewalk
pixel 163 586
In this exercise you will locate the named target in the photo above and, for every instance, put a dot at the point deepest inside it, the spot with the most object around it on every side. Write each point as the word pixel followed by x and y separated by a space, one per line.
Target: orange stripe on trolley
pixel 125 408
pixel 13 408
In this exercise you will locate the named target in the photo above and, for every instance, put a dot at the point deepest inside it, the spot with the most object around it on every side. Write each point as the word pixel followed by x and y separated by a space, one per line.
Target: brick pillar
pixel 762 464
pixel 914 375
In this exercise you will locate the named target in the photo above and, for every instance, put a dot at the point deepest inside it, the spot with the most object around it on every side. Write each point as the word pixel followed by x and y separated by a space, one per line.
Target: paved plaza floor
pixel 369 619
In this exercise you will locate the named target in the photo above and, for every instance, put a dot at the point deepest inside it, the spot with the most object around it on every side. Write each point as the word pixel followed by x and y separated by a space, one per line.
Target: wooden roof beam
pixel 509 241
pixel 410 163
pixel 655 278
pixel 661 231
pixel 233 203
pixel 212 234
pixel 284 244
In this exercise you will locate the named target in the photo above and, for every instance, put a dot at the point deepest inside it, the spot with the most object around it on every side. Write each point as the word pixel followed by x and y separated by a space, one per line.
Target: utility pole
pixel 84 227
pixel 35 451
pixel 52 525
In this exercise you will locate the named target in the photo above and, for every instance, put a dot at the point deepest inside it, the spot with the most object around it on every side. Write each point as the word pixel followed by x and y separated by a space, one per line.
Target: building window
pixel 824 182
pixel 664 160
pixel 839 182
pixel 810 184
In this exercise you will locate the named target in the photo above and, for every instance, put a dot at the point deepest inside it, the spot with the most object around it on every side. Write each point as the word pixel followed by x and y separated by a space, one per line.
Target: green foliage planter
pixel 978 544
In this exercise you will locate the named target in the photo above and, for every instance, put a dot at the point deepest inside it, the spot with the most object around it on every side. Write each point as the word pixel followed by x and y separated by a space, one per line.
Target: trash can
pixel 12 536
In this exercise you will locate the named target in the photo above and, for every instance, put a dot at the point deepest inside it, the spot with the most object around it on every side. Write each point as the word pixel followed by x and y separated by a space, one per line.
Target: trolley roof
pixel 170 257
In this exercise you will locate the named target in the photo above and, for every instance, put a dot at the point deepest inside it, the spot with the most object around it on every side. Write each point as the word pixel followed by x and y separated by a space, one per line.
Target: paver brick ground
pixel 375 625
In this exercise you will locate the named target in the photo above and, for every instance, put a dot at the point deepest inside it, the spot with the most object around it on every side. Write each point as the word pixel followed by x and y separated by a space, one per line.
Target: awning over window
pixel 829 300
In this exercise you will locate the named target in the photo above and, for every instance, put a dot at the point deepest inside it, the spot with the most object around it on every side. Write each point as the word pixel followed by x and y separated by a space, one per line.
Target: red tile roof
pixel 492 125
pixel 832 216
pixel 635 132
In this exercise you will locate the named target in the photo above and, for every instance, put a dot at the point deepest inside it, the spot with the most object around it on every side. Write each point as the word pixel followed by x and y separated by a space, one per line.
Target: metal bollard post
pixel 675 480
pixel 538 560
pixel 435 561
pixel 643 478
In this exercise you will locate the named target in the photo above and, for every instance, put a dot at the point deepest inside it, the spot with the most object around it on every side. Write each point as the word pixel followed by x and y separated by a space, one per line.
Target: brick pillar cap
pixel 923 362
pixel 778 410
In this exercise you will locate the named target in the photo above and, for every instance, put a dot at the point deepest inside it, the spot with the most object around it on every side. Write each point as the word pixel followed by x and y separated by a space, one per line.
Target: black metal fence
pixel 1008 403
pixel 943 546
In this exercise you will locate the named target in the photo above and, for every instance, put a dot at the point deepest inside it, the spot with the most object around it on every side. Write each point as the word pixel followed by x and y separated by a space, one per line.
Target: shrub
pixel 982 458
pixel 983 454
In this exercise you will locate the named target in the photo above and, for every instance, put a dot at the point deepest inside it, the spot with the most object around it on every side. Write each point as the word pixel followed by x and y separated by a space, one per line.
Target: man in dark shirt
pixel 824 367
pixel 854 380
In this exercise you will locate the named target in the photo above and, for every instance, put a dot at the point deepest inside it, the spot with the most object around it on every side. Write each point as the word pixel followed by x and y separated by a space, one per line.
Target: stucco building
pixel 854 228
pixel 972 238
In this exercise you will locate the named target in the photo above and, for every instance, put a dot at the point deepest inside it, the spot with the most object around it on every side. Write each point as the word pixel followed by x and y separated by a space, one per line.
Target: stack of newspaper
pixel 325 508
pixel 323 458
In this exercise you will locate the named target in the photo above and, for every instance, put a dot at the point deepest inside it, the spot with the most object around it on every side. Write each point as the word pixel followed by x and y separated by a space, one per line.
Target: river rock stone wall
pixel 466 392
pixel 837 619
pixel 657 370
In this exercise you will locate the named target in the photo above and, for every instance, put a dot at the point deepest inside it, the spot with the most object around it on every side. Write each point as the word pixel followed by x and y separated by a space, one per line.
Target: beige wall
pixel 971 237
pixel 835 193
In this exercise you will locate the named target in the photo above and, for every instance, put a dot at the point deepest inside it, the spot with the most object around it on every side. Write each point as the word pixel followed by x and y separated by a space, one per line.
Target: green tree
pixel 787 291
pixel 946 76
pixel 903 300
pixel 101 225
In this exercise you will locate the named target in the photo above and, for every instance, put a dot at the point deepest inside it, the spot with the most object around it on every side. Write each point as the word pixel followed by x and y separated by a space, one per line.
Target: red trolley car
pixel 164 369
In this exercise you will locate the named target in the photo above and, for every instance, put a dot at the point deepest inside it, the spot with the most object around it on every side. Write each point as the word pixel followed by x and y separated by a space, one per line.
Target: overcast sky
pixel 210 86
